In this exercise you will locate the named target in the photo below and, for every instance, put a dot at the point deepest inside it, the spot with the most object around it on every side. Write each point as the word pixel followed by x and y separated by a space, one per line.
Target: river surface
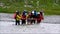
pixel 50 25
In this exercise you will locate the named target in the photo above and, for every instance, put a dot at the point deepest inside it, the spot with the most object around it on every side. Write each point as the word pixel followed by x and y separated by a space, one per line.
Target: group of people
pixel 30 16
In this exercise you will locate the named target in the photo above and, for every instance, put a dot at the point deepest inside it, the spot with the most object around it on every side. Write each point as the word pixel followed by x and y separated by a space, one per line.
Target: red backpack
pixel 14 16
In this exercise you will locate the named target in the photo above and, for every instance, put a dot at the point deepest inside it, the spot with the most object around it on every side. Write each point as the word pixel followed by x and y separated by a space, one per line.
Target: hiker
pixel 33 17
pixel 28 18
pixel 24 17
pixel 17 18
pixel 42 14
pixel 38 17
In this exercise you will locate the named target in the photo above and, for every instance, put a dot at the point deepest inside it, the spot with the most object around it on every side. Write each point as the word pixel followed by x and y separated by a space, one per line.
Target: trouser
pixel 38 21
pixel 32 21
pixel 17 22
pixel 23 21
pixel 28 21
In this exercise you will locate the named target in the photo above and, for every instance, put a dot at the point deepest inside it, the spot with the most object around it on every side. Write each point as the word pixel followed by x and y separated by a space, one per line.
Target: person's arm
pixel 18 16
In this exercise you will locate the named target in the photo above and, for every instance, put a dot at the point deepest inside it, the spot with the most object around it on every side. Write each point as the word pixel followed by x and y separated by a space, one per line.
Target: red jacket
pixel 41 14
pixel 39 17
pixel 23 17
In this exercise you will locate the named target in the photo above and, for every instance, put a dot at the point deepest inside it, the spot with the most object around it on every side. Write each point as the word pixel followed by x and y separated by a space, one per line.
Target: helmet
pixel 33 12
pixel 17 12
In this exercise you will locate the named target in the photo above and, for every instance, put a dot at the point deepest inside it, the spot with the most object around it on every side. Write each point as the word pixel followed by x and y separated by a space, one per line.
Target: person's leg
pixel 34 21
pixel 38 21
pixel 24 22
pixel 15 22
pixel 31 22
pixel 18 22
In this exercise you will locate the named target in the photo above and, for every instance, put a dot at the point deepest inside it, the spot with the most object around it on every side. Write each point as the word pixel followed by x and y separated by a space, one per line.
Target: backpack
pixel 14 16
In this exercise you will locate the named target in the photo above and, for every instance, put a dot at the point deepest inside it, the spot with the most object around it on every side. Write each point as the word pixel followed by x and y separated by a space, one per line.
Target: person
pixel 24 17
pixel 42 14
pixel 35 15
pixel 38 17
pixel 17 18
pixel 25 12
pixel 28 18
pixel 32 17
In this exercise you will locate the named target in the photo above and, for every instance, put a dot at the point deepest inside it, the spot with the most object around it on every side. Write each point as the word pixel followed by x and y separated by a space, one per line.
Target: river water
pixel 50 25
